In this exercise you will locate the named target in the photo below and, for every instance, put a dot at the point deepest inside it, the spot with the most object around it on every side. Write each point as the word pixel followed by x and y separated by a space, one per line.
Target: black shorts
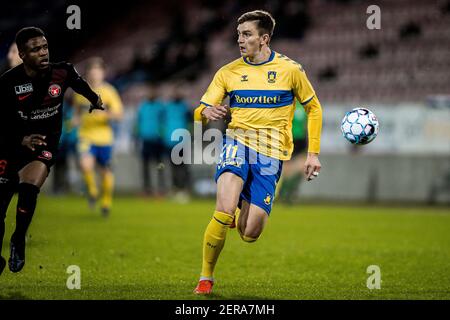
pixel 45 154
pixel 8 171
pixel 300 145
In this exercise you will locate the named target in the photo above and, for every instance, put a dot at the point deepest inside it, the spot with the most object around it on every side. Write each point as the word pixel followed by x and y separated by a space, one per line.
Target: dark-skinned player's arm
pixel 79 85
pixel 10 130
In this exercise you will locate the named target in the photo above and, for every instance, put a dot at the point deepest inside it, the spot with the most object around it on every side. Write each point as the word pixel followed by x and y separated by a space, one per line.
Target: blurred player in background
pixel 96 135
pixel 262 86
pixel 175 116
pixel 291 177
pixel 67 149
pixel 13 56
pixel 31 95
pixel 148 135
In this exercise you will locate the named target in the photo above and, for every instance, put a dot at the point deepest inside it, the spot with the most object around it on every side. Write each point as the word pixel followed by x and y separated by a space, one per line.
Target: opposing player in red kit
pixel 31 102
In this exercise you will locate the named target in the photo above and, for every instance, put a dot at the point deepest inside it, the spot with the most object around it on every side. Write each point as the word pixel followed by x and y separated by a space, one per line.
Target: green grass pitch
pixel 150 249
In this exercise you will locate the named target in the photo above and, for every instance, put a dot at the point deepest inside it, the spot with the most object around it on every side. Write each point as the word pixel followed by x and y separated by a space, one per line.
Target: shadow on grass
pixel 14 296
pixel 215 296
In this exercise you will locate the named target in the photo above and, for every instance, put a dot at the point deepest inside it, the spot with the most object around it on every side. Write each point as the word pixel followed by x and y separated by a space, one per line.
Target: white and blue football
pixel 360 126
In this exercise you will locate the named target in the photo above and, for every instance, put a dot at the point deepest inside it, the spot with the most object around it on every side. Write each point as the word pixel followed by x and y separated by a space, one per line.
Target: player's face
pixel 35 54
pixel 96 75
pixel 13 56
pixel 249 40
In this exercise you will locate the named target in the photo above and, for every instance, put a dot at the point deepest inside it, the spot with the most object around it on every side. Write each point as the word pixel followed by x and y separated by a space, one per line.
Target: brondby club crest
pixel 267 199
pixel 271 76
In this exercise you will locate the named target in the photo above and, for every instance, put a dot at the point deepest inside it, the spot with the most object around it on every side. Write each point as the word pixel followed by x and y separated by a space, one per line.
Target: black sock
pixel 6 193
pixel 25 209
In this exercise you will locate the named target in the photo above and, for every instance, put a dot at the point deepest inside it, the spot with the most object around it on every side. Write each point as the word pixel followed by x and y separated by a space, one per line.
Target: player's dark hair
pixel 25 34
pixel 266 23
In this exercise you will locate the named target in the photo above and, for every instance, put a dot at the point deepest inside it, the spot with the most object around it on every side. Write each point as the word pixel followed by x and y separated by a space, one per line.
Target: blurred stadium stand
pixel 407 60
pixel 182 43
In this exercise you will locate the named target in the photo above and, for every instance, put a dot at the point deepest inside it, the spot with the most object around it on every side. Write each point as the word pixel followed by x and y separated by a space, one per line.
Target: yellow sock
pixel 89 179
pixel 107 189
pixel 213 241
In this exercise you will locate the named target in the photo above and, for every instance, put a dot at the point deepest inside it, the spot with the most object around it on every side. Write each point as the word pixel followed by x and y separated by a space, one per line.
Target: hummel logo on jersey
pixel 23 88
pixel 244 78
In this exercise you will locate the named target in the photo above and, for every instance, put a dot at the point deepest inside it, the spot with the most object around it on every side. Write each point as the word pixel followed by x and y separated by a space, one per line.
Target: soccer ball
pixel 360 126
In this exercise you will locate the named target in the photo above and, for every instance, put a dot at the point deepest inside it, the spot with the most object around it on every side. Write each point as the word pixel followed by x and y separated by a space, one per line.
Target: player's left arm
pixel 312 164
pixel 304 92
pixel 79 85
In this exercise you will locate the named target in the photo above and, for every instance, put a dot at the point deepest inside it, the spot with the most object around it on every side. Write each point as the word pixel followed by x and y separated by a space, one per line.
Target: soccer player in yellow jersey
pixel 96 136
pixel 262 86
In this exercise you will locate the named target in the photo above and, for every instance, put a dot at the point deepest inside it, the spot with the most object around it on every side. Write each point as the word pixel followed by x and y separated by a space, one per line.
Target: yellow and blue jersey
pixel 95 128
pixel 262 103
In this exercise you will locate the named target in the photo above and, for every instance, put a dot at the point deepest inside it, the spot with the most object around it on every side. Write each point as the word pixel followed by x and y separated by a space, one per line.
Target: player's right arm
pixel 214 113
pixel 11 132
pixel 210 107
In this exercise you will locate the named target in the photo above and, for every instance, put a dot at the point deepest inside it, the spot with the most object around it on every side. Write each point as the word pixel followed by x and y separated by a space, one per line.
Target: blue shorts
pixel 259 172
pixel 102 154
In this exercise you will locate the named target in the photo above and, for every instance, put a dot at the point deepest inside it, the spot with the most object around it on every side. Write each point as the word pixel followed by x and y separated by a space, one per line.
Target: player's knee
pixel 252 231
pixel 34 173
pixel 250 235
pixel 87 162
pixel 249 239
pixel 225 207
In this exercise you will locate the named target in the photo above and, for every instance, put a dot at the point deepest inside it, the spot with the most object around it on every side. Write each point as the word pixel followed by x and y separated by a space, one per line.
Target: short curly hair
pixel 25 34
